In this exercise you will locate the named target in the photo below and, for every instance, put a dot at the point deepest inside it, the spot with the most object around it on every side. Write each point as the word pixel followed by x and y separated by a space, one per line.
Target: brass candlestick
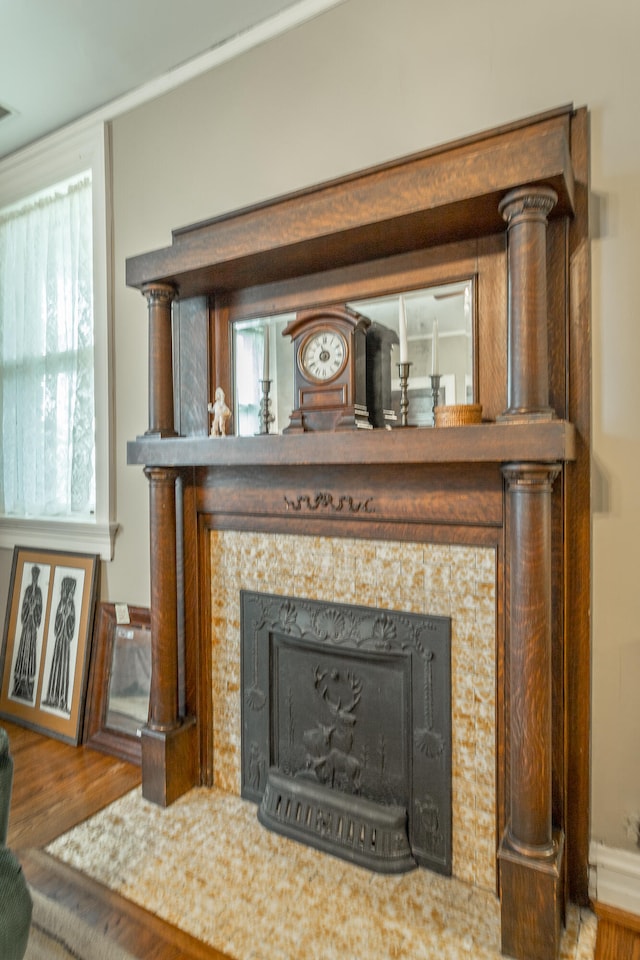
pixel 403 371
pixel 435 393
pixel 266 417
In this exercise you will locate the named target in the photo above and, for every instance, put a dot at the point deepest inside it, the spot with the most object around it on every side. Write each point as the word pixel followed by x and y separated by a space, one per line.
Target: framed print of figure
pixel 47 640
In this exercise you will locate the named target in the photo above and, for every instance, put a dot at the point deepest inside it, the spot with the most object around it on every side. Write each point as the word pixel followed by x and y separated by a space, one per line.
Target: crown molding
pixel 287 19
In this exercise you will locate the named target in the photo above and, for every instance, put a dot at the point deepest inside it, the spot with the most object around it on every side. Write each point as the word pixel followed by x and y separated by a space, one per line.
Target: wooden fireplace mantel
pixel 431 198
pixel 511 207
pixel 548 440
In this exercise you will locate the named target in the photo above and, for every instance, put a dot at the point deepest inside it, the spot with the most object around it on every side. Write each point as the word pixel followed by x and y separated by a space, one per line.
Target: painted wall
pixel 364 83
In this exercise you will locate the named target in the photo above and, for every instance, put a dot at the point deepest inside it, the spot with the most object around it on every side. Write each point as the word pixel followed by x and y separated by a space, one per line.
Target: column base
pixel 169 762
pixel 531 902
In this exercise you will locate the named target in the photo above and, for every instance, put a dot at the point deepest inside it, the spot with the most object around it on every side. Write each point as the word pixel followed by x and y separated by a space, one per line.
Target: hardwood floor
pixel 55 787
pixel 618 934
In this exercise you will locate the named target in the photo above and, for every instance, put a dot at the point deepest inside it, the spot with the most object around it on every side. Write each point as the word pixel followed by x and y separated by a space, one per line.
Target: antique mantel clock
pixel 330 376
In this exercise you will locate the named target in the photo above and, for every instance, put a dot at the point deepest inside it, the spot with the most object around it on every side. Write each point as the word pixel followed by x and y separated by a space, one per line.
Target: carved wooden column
pixel 159 297
pixel 163 697
pixel 530 852
pixel 169 749
pixel 526 211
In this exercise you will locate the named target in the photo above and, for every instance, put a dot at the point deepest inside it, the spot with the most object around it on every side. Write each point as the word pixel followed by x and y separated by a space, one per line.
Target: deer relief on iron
pixel 329 746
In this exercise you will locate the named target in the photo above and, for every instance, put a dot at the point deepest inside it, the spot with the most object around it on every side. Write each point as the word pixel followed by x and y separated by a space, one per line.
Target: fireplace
pixel 454 583
pixel 509 209
pixel 346 728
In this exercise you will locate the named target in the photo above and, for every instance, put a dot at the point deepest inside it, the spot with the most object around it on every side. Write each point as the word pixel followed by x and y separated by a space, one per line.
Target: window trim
pixel 22 174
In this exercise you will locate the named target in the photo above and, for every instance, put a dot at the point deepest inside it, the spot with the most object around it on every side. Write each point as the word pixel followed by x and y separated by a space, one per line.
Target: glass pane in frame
pixel 438 334
pixel 439 325
pixel 262 354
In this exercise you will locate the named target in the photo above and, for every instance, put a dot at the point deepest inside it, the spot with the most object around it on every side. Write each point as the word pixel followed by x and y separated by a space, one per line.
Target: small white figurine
pixel 221 414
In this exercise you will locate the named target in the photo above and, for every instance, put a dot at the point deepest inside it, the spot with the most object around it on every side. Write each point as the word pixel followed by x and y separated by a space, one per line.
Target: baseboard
pixel 614 877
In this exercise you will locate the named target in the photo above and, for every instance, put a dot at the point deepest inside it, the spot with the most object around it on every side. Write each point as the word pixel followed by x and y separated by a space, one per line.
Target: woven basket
pixel 458 415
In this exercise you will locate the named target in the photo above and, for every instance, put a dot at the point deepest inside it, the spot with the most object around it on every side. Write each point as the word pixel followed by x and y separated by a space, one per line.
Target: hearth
pixel 346 728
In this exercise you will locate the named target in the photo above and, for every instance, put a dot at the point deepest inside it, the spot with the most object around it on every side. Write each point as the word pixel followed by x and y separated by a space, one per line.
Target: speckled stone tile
pixel 206 865
pixel 440 580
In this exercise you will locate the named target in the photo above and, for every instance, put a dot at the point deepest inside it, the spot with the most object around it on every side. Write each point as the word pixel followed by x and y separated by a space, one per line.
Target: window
pixel 47 454
pixel 54 346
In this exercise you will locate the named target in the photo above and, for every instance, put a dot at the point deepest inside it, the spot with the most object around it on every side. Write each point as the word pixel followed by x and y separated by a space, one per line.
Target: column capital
pixel 528 475
pixel 155 292
pixel 166 475
pixel 534 203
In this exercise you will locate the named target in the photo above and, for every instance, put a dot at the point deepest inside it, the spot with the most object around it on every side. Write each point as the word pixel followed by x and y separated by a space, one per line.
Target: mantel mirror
pixel 440 324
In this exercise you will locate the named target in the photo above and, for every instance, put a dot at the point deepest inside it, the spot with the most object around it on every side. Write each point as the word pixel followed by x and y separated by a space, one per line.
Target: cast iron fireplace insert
pixel 346 728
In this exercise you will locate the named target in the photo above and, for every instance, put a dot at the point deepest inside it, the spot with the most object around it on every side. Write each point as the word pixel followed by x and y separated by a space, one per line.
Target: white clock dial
pixel 323 355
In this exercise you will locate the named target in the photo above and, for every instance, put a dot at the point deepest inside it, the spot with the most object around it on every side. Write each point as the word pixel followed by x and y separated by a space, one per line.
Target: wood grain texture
pixel 191 366
pixel 440 196
pixel 384 230
pixel 159 298
pixel 526 210
pixel 56 786
pixel 479 443
pixel 163 697
pixel 618 935
pixel 529 640
pixel 414 494
pixel 577 534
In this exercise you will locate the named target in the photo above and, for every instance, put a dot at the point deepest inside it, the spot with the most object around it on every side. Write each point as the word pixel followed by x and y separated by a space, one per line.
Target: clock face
pixel 323 355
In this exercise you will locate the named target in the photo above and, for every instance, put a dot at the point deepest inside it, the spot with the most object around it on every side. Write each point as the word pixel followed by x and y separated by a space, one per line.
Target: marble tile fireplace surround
pixel 487 524
pixel 448 581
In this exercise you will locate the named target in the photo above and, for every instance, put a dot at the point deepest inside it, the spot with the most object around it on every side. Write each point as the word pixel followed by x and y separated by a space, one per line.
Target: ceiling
pixel 63 59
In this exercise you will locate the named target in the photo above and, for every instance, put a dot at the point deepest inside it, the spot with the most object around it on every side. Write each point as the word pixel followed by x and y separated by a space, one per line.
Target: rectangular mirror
pixel 120 680
pixel 439 339
pixel 130 683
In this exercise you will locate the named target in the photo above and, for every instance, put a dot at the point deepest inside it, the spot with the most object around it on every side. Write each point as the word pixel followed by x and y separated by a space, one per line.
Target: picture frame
pixel 47 639
pixel 119 680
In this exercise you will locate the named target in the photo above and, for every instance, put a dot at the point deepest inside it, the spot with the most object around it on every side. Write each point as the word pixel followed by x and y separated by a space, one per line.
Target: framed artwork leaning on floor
pixel 47 638
pixel 119 680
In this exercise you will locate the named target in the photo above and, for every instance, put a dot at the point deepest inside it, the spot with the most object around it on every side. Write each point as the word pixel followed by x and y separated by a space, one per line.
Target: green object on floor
pixel 15 900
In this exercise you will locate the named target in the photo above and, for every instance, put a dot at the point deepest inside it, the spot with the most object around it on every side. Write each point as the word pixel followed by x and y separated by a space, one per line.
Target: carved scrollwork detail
pixel 326 501
pixel 428 817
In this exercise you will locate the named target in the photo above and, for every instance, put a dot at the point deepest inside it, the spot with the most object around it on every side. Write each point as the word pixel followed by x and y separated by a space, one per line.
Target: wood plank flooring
pixel 618 934
pixel 55 787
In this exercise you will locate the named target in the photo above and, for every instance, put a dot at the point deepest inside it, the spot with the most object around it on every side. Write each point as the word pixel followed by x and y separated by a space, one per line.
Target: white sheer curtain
pixel 47 453
pixel 249 350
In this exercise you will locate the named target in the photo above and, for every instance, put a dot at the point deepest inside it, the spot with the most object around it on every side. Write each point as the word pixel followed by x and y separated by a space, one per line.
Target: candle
pixel 402 322
pixel 265 359
pixel 434 349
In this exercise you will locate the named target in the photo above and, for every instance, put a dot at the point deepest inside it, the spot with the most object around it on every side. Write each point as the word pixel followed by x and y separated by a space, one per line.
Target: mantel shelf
pixel 543 441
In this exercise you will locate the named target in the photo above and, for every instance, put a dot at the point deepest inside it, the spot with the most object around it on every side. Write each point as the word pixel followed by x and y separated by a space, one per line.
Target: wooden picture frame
pixel 124 629
pixel 47 639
